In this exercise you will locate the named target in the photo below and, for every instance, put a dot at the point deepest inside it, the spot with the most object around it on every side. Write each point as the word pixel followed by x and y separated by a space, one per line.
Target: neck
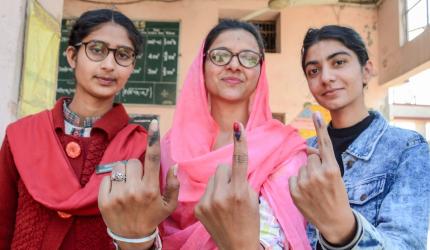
pixel 350 115
pixel 225 114
pixel 85 105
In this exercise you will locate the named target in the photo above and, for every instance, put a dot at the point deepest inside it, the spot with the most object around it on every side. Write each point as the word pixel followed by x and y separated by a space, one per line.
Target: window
pixel 268 25
pixel 268 32
pixel 417 17
pixel 415 91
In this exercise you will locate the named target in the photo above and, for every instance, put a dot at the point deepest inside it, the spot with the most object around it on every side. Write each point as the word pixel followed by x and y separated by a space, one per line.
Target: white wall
pixel 12 16
pixel 12 25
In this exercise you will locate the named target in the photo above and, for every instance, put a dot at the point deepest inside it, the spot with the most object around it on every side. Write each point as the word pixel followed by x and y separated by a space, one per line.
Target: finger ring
pixel 118 176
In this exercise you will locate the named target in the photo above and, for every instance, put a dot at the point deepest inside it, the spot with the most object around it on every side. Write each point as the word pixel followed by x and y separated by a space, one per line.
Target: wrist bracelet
pixel 133 240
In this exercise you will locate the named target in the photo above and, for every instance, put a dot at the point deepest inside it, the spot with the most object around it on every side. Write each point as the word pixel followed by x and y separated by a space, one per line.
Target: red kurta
pixel 27 224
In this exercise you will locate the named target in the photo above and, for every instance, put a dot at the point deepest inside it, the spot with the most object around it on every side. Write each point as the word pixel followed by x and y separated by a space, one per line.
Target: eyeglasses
pixel 247 58
pixel 97 51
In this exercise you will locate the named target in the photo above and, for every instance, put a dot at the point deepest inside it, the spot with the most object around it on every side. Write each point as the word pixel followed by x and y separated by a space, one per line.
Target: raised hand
pixel 319 192
pixel 229 207
pixel 133 207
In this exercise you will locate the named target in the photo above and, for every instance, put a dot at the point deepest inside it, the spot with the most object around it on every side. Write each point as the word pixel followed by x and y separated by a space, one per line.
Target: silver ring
pixel 118 176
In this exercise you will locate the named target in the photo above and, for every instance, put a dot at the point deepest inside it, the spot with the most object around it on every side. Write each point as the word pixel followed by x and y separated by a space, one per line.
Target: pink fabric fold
pixel 272 147
pixel 46 172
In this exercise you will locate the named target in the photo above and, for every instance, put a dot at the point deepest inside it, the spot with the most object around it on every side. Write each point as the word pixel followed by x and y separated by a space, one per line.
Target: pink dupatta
pixel 275 152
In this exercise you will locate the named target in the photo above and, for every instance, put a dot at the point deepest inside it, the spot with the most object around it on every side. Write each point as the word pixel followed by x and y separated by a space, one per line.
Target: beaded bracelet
pixel 134 240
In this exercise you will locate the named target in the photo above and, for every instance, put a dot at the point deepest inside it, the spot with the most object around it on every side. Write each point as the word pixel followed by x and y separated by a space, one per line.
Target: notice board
pixel 154 78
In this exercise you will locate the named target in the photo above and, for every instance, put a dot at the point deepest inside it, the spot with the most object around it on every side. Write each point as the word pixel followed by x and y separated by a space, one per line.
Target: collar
pixel 364 145
pixel 111 122
pixel 74 119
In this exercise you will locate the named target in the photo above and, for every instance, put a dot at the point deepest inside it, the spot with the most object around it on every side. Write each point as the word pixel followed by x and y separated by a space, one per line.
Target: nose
pixel 327 75
pixel 109 62
pixel 234 64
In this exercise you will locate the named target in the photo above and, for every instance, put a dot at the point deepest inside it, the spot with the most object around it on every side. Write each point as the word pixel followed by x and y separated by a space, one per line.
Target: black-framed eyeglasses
pixel 222 56
pixel 97 51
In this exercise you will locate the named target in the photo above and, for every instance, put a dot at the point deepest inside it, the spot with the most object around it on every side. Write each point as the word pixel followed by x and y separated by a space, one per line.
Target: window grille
pixel 269 34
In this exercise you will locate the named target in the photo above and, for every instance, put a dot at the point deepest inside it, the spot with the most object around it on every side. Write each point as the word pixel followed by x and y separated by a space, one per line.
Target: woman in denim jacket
pixel 366 184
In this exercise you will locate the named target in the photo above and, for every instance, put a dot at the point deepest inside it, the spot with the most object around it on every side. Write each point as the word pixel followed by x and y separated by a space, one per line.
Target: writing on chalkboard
pixel 145 92
pixel 169 41
pixel 167 72
pixel 155 41
pixel 152 71
pixel 65 69
pixel 154 77
pixel 154 56
pixel 137 70
pixel 168 56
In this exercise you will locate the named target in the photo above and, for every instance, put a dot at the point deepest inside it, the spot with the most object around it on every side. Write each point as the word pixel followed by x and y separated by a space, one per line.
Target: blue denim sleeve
pixel 402 220
pixel 403 216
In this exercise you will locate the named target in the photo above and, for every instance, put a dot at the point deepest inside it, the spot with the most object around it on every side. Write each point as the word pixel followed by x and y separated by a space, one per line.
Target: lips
pixel 232 80
pixel 331 92
pixel 104 80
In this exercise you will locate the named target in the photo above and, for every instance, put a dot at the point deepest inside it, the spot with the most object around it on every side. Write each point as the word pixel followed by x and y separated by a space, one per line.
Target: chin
pixel 104 95
pixel 233 98
pixel 230 96
pixel 332 105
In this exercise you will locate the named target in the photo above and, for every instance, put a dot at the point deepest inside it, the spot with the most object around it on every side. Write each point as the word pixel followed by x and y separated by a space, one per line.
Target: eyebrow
pixel 108 44
pixel 328 57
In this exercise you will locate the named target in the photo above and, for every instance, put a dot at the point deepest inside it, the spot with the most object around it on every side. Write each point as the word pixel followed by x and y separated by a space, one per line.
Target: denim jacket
pixel 387 178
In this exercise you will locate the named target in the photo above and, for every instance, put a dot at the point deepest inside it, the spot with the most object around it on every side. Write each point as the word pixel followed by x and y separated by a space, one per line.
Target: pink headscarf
pixel 271 146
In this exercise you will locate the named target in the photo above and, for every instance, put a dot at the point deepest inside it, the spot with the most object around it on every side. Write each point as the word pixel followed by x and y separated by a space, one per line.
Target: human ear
pixel 368 72
pixel 71 55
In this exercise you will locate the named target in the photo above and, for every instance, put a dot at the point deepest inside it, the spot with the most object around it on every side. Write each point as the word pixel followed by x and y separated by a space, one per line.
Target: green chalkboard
pixel 154 78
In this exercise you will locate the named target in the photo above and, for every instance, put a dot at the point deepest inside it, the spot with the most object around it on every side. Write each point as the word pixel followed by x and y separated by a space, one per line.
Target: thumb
pixel 171 191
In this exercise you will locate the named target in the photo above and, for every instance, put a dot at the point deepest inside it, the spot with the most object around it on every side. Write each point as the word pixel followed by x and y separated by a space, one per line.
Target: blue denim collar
pixel 364 146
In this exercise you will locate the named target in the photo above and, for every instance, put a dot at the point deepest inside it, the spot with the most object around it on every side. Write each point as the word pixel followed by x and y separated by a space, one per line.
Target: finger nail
pixel 319 119
pixel 175 170
pixel 154 125
pixel 236 129
pixel 153 132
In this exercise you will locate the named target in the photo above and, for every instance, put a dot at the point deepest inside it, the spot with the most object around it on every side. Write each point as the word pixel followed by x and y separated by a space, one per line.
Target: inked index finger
pixel 239 170
pixel 324 142
pixel 152 156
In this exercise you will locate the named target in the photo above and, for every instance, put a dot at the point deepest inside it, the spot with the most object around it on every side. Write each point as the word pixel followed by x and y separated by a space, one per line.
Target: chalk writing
pixel 145 92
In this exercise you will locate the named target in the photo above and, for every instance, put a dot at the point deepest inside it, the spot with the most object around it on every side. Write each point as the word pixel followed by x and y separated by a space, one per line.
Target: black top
pixel 343 137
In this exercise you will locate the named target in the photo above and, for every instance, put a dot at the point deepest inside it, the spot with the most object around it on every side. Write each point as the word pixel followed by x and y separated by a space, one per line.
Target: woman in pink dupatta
pixel 213 97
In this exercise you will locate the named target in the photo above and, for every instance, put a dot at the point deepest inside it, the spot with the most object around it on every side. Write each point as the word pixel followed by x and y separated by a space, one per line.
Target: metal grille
pixel 268 32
